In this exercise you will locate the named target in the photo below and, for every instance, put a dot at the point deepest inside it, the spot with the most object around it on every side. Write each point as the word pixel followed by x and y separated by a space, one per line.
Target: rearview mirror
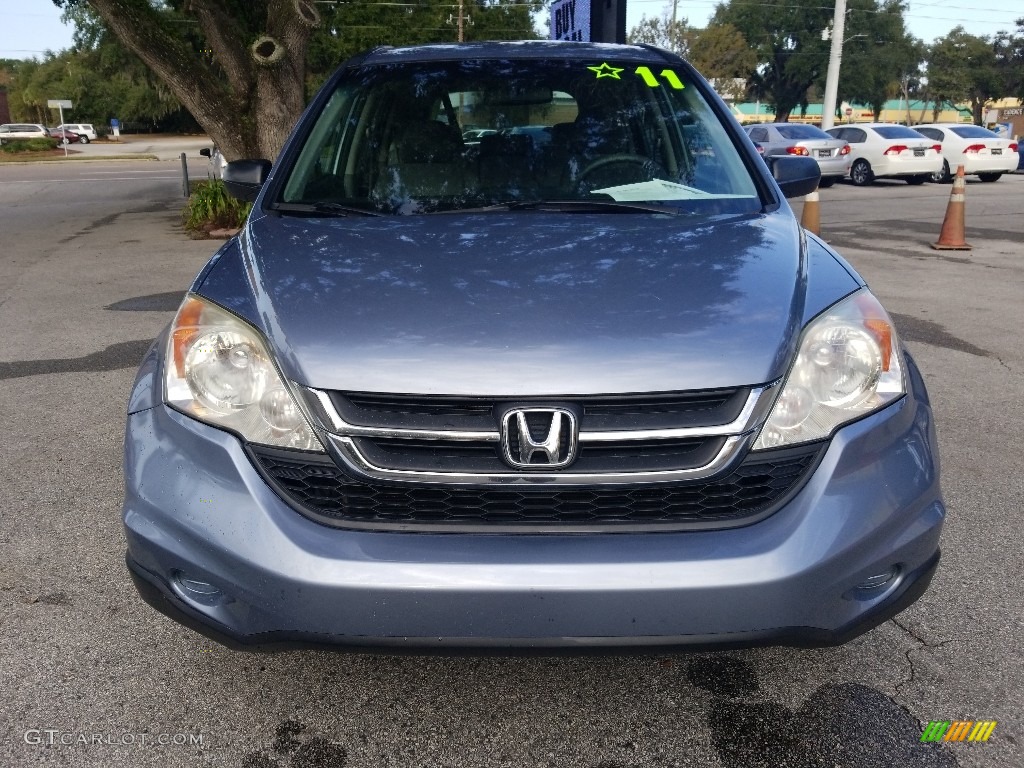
pixel 205 152
pixel 244 178
pixel 796 176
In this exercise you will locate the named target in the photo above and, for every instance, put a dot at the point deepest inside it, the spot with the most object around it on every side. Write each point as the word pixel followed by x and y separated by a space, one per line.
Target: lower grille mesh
pixel 317 488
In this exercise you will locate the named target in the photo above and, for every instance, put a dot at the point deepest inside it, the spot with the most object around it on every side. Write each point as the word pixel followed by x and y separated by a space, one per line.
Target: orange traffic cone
pixel 810 218
pixel 951 236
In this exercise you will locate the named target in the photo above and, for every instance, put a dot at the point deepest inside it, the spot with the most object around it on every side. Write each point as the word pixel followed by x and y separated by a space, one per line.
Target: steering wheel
pixel 622 157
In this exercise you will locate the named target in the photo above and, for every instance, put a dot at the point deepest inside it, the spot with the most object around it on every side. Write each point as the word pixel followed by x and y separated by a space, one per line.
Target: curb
pixel 72 158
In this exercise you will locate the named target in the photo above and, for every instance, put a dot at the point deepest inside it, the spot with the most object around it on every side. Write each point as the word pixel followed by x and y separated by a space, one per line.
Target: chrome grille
pixel 631 438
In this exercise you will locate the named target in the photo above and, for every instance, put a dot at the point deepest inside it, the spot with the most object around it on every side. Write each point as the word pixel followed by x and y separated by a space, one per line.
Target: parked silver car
pixel 797 139
pixel 19 131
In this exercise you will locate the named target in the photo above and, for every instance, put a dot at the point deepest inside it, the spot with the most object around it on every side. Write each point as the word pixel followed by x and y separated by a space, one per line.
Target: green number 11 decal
pixel 670 77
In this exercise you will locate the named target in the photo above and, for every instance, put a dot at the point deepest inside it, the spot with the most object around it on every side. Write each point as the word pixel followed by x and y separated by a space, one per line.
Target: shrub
pixel 211 207
pixel 14 146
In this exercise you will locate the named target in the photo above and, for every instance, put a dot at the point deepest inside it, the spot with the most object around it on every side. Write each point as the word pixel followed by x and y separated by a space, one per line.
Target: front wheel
pixel 65 140
pixel 83 139
pixel 915 180
pixel 860 173
pixel 989 176
pixel 942 176
pixel 827 181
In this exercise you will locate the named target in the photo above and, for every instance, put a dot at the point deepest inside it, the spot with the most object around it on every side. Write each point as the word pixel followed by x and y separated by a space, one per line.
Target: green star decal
pixel 606 70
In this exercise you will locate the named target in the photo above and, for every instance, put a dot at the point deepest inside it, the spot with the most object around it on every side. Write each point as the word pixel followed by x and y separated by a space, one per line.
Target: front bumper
pixel 196 509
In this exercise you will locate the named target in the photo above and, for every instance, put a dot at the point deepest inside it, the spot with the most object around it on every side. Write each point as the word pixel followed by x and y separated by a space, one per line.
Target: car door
pixel 856 138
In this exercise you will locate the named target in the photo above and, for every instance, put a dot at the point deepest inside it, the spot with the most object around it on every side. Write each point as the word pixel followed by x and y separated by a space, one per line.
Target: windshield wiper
pixel 572 206
pixel 323 207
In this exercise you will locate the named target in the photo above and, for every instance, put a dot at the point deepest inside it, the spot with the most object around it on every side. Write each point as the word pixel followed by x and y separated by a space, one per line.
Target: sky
pixel 28 28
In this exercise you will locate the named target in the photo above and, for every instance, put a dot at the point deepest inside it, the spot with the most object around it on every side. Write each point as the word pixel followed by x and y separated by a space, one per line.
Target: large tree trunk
pixel 249 103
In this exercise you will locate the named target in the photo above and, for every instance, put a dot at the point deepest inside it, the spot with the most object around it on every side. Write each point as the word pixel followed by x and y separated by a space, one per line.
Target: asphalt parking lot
pixel 92 264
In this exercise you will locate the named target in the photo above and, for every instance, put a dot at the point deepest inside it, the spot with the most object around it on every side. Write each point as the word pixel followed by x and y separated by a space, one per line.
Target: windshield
pixel 444 136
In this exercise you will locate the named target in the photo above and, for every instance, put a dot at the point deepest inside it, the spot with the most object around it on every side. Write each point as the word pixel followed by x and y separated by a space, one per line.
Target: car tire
pixel 860 173
pixel 943 176
pixel 65 140
pixel 989 176
pixel 83 139
pixel 826 181
pixel 920 179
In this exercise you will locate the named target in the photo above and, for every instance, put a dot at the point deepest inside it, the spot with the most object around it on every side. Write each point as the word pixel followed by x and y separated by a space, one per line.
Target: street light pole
pixel 828 108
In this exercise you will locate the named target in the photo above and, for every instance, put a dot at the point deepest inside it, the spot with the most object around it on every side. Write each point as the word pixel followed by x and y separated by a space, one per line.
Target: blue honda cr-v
pixel 580 382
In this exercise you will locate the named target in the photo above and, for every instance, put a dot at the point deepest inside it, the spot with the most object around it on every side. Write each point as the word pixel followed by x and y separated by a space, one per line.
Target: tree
pixel 880 56
pixel 100 77
pixel 242 67
pixel 349 28
pixel 662 32
pixel 1009 50
pixel 722 54
pixel 787 41
pixel 964 68
pixel 238 66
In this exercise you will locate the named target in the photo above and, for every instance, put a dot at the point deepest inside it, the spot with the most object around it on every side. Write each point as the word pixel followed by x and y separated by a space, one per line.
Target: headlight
pixel 218 370
pixel 848 365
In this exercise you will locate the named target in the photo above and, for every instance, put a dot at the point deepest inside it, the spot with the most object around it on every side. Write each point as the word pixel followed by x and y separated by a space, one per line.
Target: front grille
pixel 485 457
pixel 391 450
pixel 317 488
pixel 664 410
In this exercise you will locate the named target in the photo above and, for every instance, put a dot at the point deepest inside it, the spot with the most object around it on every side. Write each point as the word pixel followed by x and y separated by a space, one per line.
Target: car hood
pixel 525 303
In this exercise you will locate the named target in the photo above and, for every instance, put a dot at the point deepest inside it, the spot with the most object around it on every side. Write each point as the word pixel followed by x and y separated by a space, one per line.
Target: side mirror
pixel 244 178
pixel 205 152
pixel 796 176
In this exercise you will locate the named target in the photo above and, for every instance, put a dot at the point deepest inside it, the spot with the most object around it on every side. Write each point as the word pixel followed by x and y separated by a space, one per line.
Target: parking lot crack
pixel 897 696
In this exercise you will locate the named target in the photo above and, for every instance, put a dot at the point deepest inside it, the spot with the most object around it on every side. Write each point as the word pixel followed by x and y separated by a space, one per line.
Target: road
pixel 92 264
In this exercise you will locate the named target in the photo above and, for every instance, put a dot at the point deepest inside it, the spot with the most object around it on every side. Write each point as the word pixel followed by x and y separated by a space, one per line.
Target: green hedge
pixel 13 146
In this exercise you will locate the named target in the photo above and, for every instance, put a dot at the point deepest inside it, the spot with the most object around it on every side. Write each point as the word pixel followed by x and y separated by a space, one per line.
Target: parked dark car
pixel 64 136
pixel 595 391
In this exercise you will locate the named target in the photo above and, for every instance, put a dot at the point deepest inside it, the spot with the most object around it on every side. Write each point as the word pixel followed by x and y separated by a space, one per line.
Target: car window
pixel 973 132
pixel 759 134
pixel 896 132
pixel 391 138
pixel 932 133
pixel 855 135
pixel 801 132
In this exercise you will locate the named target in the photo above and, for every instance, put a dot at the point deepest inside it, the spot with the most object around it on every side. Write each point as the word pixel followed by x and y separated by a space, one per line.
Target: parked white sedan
pixel 977 149
pixel 889 150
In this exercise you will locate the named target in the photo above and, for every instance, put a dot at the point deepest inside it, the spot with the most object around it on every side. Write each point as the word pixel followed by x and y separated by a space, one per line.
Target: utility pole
pixel 828 109
pixel 672 32
pixel 461 33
